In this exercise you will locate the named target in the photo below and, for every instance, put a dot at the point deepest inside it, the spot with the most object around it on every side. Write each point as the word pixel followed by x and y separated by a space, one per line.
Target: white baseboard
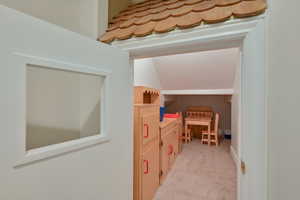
pixel 237 162
pixel 235 157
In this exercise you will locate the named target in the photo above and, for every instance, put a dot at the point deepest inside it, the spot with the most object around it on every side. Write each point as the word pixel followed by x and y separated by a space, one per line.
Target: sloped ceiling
pixel 209 70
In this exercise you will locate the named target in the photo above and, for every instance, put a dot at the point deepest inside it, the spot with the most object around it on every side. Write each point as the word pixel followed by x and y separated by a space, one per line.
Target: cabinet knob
pixel 147 131
pixel 146 166
pixel 170 149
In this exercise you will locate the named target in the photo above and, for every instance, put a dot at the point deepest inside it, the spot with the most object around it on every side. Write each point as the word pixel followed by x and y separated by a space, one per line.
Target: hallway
pixel 201 172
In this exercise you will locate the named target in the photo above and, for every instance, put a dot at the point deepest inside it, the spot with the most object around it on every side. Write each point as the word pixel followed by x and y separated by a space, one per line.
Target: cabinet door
pixel 172 147
pixel 150 125
pixel 164 158
pixel 175 140
pixel 150 171
pixel 167 154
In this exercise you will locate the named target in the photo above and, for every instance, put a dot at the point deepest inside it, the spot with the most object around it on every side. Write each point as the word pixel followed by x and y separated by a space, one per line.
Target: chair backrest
pixel 199 109
pixel 194 114
pixel 217 118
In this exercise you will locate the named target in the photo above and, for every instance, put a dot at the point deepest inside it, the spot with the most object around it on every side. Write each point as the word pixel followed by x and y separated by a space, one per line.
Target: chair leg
pixel 214 139
pixel 205 138
pixel 186 136
pixel 217 140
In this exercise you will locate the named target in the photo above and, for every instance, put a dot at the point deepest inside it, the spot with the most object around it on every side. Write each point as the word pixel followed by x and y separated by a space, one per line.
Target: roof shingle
pixel 161 16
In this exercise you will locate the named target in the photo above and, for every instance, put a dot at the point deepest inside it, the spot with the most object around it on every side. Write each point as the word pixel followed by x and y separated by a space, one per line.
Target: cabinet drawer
pixel 150 171
pixel 150 128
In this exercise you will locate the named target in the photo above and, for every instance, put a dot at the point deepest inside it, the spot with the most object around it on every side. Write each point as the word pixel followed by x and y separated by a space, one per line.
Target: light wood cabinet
pixel 146 151
pixel 146 143
pixel 156 144
pixel 150 171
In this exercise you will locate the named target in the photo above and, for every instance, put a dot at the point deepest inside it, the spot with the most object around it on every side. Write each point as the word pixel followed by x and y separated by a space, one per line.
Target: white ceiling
pixel 198 71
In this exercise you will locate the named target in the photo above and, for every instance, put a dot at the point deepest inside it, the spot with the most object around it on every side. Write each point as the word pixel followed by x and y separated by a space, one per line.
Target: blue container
pixel 162 113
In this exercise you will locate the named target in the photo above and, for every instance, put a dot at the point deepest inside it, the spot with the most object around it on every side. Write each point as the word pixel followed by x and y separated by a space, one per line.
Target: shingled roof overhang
pixel 161 16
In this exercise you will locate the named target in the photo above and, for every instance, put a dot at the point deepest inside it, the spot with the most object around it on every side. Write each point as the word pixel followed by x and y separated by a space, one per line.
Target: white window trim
pixel 26 157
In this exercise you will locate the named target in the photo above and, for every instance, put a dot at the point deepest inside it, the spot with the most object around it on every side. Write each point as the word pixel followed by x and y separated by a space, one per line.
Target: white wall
pixel 283 99
pixel 52 98
pixel 61 106
pixel 145 73
pixel 200 70
pixel 52 111
pixel 80 16
pixel 205 70
pixel 91 88
pixel 235 108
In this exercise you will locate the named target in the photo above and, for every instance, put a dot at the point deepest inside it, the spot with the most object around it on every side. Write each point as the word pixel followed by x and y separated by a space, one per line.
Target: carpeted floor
pixel 201 172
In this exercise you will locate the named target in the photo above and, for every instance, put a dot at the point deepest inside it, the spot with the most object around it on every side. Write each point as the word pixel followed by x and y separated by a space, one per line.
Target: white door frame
pixel 249 35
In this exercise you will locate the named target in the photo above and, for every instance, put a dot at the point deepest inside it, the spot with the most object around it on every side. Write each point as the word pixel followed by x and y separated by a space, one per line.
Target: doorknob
pixel 243 167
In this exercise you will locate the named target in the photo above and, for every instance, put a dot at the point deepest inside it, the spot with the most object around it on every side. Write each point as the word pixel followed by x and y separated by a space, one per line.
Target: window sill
pixel 44 153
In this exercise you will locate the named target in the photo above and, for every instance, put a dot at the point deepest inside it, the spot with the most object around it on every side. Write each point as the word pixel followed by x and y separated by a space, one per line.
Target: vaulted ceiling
pixel 207 70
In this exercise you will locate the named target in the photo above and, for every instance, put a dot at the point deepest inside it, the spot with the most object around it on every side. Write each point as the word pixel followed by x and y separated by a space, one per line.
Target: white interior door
pixel 65 114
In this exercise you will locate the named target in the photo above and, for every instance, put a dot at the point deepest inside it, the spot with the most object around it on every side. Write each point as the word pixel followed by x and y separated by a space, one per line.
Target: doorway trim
pixel 249 36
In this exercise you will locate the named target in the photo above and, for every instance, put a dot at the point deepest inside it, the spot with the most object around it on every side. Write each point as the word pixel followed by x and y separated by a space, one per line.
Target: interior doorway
pixel 250 38
pixel 208 84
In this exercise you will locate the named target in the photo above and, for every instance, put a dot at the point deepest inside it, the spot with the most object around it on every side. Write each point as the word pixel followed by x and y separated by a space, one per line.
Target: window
pixel 61 105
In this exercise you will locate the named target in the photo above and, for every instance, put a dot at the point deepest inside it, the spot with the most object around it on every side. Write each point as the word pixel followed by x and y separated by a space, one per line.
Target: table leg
pixel 185 132
pixel 208 130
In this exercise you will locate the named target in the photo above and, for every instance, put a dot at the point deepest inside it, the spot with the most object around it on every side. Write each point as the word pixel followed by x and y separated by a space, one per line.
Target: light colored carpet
pixel 201 172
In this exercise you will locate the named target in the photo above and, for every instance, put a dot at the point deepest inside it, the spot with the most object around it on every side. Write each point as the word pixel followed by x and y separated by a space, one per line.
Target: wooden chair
pixel 205 137
pixel 213 137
